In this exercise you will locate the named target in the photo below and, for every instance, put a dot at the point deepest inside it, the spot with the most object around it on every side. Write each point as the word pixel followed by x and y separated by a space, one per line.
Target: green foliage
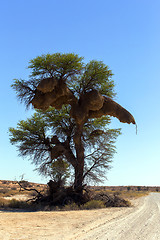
pixel 71 207
pixel 59 171
pixel 59 121
pixel 25 90
pixel 99 152
pixel 56 65
pixel 30 137
pixel 80 77
pixel 33 139
pixel 47 137
pixel 97 76
pixel 94 204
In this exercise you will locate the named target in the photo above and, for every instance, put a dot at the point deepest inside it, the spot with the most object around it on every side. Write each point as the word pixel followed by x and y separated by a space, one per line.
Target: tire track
pixel 141 223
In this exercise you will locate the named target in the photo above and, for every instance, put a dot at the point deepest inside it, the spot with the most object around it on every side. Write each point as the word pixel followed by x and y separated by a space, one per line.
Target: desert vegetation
pixel 13 196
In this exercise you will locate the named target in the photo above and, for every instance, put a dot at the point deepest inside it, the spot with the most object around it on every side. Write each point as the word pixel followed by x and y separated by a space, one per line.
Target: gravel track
pixel 141 223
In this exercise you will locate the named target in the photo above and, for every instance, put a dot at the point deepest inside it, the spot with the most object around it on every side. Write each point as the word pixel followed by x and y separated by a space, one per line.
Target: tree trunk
pixel 78 183
pixel 79 167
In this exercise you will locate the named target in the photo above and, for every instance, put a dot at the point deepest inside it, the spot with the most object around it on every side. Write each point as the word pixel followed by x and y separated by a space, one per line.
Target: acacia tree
pixel 47 139
pixel 87 90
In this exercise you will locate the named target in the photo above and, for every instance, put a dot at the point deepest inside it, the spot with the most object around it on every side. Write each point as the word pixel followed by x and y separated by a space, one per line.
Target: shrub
pixel 111 200
pixel 94 204
pixel 71 206
pixel 13 203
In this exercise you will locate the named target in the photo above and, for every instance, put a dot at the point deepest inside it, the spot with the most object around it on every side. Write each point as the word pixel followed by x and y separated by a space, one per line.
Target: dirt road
pixel 141 222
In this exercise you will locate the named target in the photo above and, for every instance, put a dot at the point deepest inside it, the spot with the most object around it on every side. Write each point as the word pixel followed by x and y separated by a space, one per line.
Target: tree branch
pixel 29 189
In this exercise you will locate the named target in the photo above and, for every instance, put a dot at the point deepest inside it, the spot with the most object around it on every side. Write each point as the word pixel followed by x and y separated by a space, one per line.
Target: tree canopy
pixel 74 100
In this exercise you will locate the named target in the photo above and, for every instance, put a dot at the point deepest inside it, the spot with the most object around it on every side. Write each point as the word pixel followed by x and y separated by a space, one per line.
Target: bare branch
pixel 29 189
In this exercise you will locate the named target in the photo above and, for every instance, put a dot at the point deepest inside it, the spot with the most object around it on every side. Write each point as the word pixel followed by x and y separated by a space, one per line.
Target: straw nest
pixel 52 92
pixel 112 108
pixel 55 93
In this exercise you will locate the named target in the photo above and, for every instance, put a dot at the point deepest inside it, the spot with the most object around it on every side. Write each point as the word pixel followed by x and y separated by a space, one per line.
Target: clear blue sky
pixel 125 35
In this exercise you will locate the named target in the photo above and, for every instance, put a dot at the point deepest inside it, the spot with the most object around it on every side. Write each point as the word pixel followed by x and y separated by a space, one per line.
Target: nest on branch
pixel 55 93
pixel 112 108
pixel 51 92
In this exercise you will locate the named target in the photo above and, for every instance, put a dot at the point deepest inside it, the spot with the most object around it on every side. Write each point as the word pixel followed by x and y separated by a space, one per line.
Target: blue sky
pixel 125 35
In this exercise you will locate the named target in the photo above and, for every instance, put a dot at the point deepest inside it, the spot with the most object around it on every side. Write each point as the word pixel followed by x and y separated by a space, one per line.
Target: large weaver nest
pixel 55 93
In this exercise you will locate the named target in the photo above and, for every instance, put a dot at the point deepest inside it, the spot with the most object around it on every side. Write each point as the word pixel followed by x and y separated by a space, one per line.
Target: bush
pixel 13 204
pixel 71 206
pixel 111 200
pixel 94 204
pixel 17 204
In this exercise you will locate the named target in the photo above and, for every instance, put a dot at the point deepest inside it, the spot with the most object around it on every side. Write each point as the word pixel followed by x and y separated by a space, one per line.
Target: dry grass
pixel 133 194
pixel 123 193
pixel 13 203
pixel 94 204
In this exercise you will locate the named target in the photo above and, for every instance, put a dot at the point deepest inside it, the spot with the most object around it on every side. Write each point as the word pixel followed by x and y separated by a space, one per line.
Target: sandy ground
pixel 139 222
